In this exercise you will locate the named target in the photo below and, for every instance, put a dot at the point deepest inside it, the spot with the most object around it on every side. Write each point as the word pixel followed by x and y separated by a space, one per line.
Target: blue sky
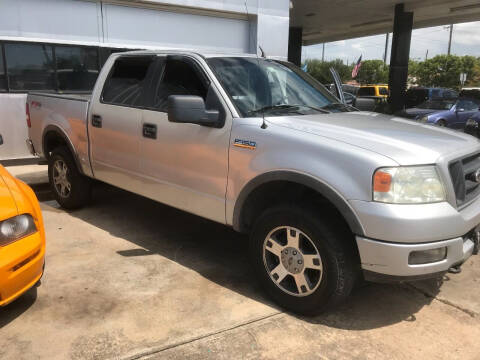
pixel 465 41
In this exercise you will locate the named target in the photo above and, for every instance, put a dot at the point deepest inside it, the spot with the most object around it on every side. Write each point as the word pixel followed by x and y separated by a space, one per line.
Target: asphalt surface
pixel 128 278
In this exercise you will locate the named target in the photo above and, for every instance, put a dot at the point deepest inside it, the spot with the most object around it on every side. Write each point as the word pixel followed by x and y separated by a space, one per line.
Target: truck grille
pixel 462 173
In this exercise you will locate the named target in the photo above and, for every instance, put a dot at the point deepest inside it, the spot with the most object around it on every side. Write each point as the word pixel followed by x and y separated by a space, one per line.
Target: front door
pixel 115 122
pixel 185 165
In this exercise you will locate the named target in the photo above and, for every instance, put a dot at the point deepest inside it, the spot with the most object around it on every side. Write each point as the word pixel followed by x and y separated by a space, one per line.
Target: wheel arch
pixel 52 137
pixel 244 200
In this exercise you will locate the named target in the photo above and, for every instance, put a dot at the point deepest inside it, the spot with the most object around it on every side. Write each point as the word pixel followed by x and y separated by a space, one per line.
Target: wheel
pixel 70 188
pixel 303 259
pixel 442 123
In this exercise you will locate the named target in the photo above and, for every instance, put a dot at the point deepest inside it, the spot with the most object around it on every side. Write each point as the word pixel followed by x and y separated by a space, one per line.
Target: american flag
pixel 357 67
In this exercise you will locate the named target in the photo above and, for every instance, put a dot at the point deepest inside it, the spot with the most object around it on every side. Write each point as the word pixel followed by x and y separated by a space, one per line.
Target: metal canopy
pixel 332 20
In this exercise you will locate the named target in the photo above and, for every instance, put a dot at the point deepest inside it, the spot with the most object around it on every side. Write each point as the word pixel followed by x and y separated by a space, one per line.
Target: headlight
pixel 423 119
pixel 16 228
pixel 408 185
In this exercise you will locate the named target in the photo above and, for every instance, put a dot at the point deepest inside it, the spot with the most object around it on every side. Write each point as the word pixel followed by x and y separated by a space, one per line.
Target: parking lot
pixel 130 278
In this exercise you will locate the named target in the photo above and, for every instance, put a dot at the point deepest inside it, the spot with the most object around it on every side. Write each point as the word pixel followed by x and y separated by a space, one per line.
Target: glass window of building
pixel 77 68
pixel 30 66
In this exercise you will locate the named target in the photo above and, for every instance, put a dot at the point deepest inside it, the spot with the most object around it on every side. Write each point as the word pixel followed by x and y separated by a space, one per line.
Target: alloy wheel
pixel 293 261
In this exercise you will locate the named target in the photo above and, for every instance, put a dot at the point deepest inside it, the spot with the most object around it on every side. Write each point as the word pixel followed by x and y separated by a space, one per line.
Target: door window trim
pixel 148 85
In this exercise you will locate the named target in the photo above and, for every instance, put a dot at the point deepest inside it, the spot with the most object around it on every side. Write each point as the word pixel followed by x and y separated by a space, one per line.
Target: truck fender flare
pixel 58 131
pixel 322 188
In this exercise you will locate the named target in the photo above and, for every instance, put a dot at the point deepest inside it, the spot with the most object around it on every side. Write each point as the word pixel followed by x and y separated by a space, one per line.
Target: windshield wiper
pixel 336 105
pixel 285 107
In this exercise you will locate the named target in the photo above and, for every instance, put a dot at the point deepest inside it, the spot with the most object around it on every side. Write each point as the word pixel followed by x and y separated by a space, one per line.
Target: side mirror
pixel 460 109
pixel 190 109
pixel 364 104
pixel 1 139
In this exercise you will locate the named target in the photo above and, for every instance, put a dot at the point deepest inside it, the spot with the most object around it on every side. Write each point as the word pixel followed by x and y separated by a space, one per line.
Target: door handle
pixel 149 131
pixel 96 121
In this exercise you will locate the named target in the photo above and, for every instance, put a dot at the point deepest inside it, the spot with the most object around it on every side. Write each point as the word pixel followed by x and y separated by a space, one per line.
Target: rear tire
pixel 330 267
pixel 70 188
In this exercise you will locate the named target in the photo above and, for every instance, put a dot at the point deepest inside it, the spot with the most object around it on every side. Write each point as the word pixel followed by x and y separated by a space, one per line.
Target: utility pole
pixel 323 52
pixel 386 49
pixel 450 39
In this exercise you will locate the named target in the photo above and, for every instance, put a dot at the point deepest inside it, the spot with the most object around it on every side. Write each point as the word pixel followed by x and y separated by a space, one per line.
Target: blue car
pixel 449 113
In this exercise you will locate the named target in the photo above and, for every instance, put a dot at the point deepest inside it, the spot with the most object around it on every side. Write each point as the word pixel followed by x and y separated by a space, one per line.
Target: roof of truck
pixel 204 54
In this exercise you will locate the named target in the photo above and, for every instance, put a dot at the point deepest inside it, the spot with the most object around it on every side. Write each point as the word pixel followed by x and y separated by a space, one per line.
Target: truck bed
pixel 65 114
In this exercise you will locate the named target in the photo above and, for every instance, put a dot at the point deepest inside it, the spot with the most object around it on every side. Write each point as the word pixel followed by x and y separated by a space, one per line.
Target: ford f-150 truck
pixel 327 193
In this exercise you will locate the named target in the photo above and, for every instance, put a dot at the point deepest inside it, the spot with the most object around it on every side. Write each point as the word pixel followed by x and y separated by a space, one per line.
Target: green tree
pixel 321 70
pixel 444 70
pixel 373 72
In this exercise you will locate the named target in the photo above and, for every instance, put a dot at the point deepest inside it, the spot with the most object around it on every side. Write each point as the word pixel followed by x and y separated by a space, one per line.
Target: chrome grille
pixel 462 173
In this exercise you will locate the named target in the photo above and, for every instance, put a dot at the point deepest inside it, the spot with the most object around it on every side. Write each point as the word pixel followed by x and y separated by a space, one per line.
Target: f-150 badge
pixel 247 144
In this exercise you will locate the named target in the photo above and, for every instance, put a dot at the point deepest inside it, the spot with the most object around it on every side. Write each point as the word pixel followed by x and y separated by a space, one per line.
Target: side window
pixel 127 80
pixel 470 105
pixel 366 91
pixel 30 66
pixel 179 77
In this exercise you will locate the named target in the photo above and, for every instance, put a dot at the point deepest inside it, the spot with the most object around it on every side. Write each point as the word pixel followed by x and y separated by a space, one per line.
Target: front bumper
pixel 390 261
pixel 21 266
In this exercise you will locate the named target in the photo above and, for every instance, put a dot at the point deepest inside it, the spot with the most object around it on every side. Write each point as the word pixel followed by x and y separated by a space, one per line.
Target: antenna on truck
pixel 264 124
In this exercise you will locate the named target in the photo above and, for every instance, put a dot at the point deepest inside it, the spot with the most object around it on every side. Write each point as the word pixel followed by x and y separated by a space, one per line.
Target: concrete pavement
pixel 130 278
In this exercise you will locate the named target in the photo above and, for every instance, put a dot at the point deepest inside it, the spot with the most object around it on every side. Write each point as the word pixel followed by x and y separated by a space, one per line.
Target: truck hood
pixel 405 141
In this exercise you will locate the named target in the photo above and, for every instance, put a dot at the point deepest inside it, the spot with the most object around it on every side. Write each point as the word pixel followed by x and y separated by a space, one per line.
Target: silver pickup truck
pixel 327 193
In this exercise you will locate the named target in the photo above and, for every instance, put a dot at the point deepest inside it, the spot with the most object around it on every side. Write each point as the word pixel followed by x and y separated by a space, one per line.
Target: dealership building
pixel 59 46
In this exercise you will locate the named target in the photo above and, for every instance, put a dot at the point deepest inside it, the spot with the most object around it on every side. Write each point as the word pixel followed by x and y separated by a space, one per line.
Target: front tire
pixel 304 260
pixel 70 188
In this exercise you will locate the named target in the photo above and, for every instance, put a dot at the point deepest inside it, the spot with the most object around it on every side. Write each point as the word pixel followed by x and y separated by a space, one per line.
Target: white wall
pixel 13 127
pixel 174 30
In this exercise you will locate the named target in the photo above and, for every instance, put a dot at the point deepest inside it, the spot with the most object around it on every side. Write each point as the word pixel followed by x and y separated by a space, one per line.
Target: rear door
pixel 115 122
pixel 185 165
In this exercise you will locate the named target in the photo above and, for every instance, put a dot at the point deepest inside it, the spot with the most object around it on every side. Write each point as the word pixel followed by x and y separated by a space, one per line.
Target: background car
pixel 22 238
pixel 450 113
pixel 419 94
pixel 373 91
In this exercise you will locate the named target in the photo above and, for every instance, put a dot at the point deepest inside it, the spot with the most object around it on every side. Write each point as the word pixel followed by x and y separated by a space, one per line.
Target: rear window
pixel 366 91
pixel 126 81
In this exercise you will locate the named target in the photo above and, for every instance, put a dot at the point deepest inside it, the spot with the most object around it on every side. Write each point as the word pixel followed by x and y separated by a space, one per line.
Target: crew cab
pixel 327 193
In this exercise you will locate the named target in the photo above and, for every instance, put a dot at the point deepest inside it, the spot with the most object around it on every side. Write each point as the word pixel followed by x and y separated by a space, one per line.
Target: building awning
pixel 326 21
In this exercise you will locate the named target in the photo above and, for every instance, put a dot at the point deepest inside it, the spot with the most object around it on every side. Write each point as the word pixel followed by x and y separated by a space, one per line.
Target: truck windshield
pixel 266 87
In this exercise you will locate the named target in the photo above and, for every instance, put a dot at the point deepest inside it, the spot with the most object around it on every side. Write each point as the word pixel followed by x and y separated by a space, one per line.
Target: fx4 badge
pixel 247 144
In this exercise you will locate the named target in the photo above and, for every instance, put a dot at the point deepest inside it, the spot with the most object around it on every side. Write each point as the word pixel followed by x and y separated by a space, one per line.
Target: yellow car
pixel 373 90
pixel 22 238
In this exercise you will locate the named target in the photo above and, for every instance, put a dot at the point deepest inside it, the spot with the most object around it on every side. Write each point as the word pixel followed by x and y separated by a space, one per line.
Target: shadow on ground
pixel 221 255
pixel 18 307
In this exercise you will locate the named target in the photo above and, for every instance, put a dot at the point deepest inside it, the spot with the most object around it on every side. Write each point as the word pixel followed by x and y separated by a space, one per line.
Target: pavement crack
pixel 156 350
pixel 469 312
